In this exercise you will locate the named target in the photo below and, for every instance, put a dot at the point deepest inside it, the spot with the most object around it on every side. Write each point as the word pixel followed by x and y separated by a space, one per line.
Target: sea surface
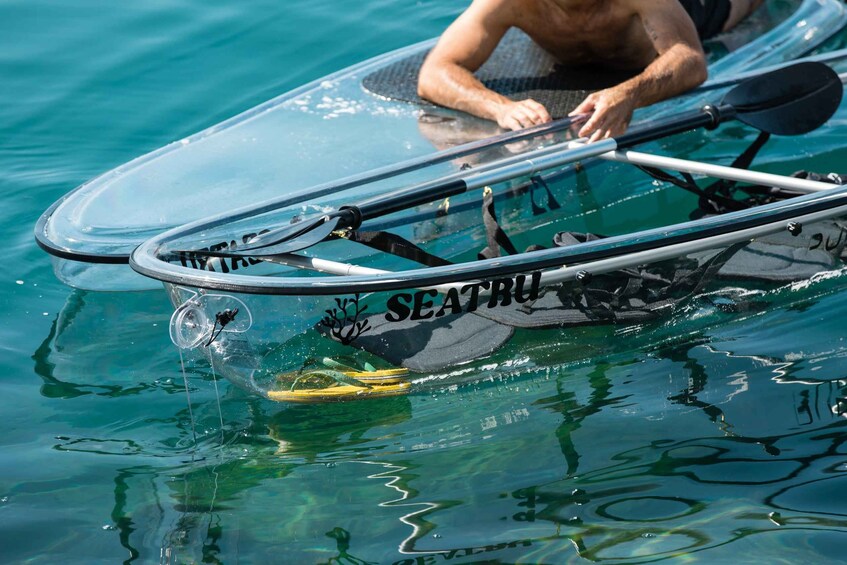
pixel 726 444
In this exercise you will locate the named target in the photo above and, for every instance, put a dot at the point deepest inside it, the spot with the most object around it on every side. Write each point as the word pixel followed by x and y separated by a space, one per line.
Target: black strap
pixel 746 158
pixel 552 203
pixel 687 181
pixel 717 197
pixel 494 234
pixel 720 192
pixel 394 244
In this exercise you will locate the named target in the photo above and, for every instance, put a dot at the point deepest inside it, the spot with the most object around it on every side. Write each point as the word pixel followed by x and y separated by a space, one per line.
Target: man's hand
pixel 679 66
pixel 611 111
pixel 522 114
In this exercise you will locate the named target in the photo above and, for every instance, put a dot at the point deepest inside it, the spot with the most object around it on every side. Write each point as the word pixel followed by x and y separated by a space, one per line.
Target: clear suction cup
pixel 201 319
pixel 189 325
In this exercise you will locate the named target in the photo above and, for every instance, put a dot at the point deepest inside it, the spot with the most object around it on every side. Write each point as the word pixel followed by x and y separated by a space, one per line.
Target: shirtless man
pixel 658 36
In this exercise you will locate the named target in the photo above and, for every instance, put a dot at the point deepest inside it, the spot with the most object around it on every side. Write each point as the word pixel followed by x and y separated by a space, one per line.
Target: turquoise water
pixel 719 442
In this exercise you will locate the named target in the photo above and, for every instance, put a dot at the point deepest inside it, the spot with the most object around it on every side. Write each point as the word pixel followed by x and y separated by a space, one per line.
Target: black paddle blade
pixel 286 241
pixel 790 101
pixel 279 235
pixel 302 240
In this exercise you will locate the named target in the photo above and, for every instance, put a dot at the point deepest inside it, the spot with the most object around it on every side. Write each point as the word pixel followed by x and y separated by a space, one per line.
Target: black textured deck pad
pixel 518 68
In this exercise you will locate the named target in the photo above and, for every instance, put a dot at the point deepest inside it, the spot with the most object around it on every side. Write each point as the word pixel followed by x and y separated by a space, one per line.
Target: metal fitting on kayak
pixel 714 113
pixel 354 215
pixel 192 323
pixel 584 277
pixel 795 228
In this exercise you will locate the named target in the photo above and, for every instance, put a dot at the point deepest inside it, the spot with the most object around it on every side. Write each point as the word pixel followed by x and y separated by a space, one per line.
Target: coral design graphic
pixel 343 320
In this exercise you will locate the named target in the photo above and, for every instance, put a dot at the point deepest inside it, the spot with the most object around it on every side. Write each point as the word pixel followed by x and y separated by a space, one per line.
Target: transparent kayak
pixel 333 137
pixel 531 250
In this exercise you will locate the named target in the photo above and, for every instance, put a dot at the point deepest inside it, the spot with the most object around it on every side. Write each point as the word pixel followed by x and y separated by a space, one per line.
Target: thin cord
pixel 217 396
pixel 188 397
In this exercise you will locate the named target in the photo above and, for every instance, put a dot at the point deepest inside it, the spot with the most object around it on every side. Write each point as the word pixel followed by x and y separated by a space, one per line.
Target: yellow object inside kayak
pixel 339 382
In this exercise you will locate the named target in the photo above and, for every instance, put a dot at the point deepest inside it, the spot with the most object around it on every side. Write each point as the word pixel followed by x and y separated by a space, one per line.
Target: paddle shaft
pixel 452 187
pixel 537 131
pixel 554 126
pixel 708 117
pixel 791 101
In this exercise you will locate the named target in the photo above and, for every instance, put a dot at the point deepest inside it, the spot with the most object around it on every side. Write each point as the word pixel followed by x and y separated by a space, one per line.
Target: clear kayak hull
pixel 621 258
pixel 320 135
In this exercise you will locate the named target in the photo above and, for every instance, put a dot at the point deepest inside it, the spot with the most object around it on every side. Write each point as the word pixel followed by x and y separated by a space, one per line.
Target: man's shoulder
pixel 511 10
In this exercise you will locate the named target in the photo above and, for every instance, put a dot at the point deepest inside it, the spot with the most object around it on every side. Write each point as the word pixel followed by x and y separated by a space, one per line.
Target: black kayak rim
pixel 780 213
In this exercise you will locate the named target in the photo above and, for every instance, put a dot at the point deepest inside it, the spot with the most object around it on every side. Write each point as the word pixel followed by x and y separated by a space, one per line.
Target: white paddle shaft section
pixel 630 260
pixel 565 272
pixel 804 186
pixel 345 269
pixel 601 149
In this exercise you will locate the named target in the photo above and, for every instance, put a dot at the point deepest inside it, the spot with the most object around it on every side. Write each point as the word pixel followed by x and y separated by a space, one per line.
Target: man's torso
pixel 607 32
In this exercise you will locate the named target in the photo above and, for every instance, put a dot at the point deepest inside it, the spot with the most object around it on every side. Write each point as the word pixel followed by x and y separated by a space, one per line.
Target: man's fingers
pixel 528 118
pixel 540 112
pixel 522 119
pixel 611 113
pixel 602 126
pixel 509 120
pixel 602 131
pixel 590 126
pixel 523 114
pixel 533 113
pixel 511 123
pixel 585 107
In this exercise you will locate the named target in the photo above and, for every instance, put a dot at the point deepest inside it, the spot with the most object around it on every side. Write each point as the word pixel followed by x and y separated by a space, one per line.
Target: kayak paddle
pixel 789 101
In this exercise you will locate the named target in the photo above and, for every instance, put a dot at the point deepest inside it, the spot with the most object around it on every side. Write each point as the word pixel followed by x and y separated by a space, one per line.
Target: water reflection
pixel 666 484
pixel 331 431
pixel 342 539
pixel 703 442
pixel 689 491
pixel 91 341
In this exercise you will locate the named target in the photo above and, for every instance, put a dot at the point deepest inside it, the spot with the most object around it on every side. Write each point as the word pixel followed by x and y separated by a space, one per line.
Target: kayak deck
pixel 319 130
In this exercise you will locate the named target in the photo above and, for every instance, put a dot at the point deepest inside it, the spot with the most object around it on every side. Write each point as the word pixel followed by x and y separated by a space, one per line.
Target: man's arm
pixel 680 66
pixel 447 78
